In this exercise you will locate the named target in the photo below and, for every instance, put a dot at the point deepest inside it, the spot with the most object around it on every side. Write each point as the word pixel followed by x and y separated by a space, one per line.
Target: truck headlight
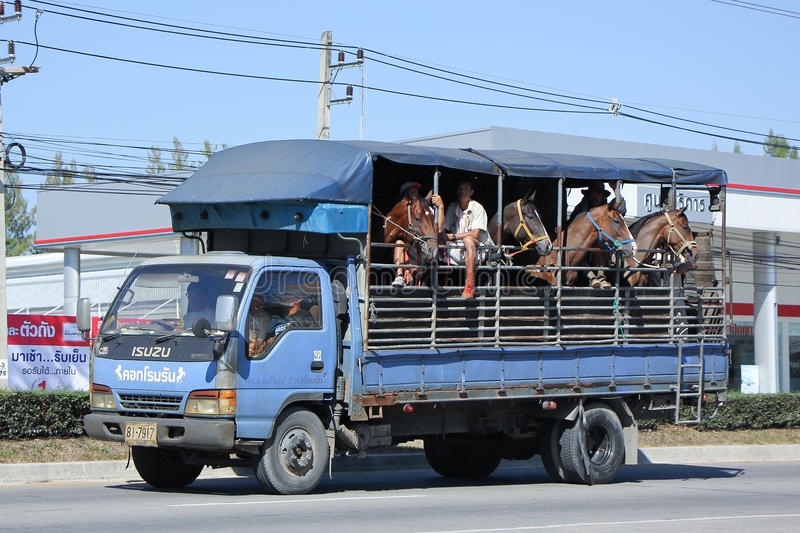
pixel 100 397
pixel 211 402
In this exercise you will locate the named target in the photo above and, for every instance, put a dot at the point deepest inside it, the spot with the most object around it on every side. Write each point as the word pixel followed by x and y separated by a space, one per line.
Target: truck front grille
pixel 150 402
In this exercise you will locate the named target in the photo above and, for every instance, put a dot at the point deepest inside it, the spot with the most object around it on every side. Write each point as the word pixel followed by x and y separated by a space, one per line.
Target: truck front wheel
pixel 605 447
pixel 162 468
pixel 458 457
pixel 294 459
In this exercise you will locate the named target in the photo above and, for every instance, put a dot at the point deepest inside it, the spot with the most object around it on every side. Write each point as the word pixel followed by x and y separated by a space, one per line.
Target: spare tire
pixel 605 446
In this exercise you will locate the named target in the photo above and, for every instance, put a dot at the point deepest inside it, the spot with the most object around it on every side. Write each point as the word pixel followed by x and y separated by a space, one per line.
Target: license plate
pixel 140 434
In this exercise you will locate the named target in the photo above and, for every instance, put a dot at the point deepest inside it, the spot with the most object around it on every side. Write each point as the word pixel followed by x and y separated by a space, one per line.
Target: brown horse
pixel 522 226
pixel 662 230
pixel 602 227
pixel 411 223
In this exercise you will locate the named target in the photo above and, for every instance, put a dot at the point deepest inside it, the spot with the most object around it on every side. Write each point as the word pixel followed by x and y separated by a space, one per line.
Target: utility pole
pixel 326 70
pixel 6 74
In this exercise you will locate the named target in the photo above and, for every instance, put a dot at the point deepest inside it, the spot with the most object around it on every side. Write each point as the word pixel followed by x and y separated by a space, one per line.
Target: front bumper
pixel 197 434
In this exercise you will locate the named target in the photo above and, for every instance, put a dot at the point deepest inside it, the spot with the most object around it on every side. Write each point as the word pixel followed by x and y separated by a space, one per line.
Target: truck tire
pixel 549 437
pixel 294 459
pixel 162 468
pixel 605 446
pixel 453 458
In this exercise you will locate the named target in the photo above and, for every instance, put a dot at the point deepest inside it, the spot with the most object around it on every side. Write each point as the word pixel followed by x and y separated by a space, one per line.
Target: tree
pixel 58 175
pixel 736 148
pixel 777 146
pixel 19 221
pixel 154 156
pixel 180 157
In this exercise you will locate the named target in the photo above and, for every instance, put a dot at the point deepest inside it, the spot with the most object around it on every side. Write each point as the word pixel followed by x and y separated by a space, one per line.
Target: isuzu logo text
pixel 150 351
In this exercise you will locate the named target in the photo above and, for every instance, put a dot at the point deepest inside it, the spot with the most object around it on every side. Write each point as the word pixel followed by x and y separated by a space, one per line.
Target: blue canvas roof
pixel 342 171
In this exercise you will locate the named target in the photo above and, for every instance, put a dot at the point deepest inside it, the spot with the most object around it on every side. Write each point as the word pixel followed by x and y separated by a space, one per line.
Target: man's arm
pixel 439 203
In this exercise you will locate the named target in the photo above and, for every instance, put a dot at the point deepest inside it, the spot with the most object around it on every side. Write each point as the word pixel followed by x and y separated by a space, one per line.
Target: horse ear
pixel 532 196
pixel 429 195
pixel 683 209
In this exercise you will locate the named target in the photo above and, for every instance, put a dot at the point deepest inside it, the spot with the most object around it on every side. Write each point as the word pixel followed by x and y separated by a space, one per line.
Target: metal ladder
pixel 697 390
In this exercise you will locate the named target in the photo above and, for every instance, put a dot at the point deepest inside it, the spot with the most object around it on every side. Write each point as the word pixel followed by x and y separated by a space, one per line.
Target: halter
pixel 615 244
pixel 523 225
pixel 415 235
pixel 684 243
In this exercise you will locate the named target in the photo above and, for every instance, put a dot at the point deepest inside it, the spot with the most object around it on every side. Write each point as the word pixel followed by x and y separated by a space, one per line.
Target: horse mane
pixel 637 226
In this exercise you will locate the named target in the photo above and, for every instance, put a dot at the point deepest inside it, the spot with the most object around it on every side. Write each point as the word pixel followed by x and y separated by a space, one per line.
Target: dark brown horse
pixel 410 222
pixel 523 226
pixel 601 227
pixel 662 230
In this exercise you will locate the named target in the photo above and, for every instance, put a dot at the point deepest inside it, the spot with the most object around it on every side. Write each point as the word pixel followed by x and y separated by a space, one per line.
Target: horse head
pixel 612 231
pixel 413 219
pixel 679 238
pixel 528 228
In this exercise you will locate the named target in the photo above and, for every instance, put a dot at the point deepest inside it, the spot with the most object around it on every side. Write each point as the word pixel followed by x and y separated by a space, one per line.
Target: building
pixel 91 254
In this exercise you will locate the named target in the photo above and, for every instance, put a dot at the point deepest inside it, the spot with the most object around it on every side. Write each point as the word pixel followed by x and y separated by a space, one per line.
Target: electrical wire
pixel 315 82
pixel 250 39
pixel 767 9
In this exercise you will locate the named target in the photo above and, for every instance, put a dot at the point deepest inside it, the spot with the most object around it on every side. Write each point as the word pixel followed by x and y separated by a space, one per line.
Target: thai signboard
pixel 46 352
pixel 648 200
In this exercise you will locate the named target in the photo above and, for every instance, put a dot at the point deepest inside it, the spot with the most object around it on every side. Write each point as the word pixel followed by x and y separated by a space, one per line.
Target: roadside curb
pixel 117 471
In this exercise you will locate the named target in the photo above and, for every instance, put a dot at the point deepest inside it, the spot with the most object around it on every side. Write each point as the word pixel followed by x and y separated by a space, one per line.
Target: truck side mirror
pixel 225 314
pixel 83 314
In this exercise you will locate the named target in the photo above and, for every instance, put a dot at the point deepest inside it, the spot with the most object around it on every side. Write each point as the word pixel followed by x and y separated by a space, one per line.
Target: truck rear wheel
pixel 457 458
pixel 605 446
pixel 294 459
pixel 549 447
pixel 162 468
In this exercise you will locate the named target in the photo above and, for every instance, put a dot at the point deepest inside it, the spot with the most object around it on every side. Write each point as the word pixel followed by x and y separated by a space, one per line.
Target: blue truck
pixel 286 342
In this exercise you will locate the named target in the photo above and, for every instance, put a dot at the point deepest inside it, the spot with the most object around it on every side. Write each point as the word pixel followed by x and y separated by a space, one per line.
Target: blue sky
pixel 698 59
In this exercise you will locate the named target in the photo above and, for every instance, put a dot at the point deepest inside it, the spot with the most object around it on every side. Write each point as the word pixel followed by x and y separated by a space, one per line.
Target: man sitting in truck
pixel 465 222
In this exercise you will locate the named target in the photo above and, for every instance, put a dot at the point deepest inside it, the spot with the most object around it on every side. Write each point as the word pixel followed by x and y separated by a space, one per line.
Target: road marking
pixel 618 523
pixel 287 499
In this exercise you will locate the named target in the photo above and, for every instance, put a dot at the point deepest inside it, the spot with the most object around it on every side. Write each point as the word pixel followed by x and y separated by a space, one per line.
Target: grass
pixel 60 450
pixel 85 449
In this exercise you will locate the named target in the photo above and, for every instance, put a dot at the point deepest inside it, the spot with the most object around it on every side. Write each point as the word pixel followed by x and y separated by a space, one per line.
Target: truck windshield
pixel 171 298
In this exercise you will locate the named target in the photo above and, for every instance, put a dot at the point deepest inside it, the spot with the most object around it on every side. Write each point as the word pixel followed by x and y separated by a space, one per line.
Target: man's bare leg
pixel 470 253
pixel 399 259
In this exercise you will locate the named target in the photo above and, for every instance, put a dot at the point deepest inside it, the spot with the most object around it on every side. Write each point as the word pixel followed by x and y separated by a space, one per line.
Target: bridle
pixel 523 224
pixel 610 242
pixel 684 242
pixel 412 231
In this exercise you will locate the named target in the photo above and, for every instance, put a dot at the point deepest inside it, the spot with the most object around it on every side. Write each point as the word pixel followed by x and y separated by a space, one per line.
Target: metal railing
pixel 512 308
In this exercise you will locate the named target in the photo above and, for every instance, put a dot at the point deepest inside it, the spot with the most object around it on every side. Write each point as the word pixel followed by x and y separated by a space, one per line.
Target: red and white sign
pixel 46 352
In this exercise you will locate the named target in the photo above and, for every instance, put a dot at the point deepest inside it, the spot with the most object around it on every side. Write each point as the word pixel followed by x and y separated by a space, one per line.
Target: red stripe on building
pixel 106 236
pixel 784 310
pixel 759 188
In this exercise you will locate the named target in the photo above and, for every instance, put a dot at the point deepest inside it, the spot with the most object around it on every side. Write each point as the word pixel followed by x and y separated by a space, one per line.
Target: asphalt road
pixel 666 498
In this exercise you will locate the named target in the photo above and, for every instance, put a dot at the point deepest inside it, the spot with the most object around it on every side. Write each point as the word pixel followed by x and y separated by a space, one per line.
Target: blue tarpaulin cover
pixel 322 175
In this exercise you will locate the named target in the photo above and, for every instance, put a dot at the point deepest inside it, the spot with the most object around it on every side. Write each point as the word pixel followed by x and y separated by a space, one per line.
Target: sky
pixel 702 60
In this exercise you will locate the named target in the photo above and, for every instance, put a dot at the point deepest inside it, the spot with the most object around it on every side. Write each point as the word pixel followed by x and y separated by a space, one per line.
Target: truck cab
pixel 200 354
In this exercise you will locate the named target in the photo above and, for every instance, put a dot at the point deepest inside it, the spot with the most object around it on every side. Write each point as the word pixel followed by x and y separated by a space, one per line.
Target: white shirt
pixel 473 217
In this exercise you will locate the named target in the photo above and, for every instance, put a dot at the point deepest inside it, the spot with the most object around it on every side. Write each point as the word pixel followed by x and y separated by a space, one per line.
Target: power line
pixel 250 39
pixel 758 7
pixel 314 82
